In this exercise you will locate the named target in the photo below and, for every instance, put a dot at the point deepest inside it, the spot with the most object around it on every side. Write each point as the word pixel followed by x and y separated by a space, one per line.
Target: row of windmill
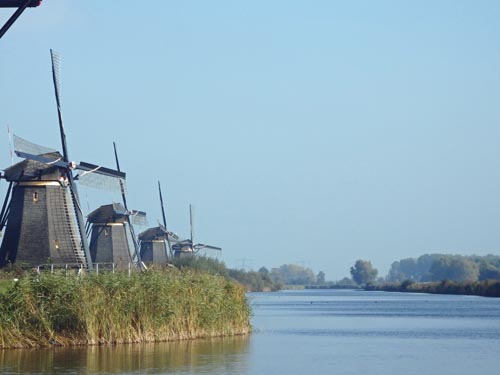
pixel 43 219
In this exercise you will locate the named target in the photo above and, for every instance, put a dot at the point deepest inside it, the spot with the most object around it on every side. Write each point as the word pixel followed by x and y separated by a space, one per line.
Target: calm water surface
pixel 315 332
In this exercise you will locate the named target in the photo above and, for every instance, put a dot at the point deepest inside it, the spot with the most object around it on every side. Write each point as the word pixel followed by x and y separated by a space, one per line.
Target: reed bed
pixel 151 306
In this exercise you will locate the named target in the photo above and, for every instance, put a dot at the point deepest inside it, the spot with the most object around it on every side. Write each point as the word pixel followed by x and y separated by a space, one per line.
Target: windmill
pixel 154 241
pixel 188 247
pixel 41 213
pixel 113 237
pixel 110 240
pixel 21 6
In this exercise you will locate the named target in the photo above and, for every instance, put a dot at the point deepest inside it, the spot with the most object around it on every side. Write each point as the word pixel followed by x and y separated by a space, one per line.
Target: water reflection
pixel 222 355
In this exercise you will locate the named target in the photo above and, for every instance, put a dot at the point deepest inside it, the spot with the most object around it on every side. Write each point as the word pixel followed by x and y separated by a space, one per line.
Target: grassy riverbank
pixel 487 288
pixel 55 309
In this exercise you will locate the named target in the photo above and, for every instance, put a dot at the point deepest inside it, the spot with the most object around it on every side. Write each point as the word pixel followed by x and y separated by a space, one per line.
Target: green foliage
pixel 157 305
pixel 264 271
pixel 413 269
pixel 470 268
pixel 201 263
pixel 252 281
pixel 363 272
pixel 488 271
pixel 347 282
pixel 292 274
pixel 407 284
pixel 487 288
pixel 4 285
pixel 321 278
pixel 454 268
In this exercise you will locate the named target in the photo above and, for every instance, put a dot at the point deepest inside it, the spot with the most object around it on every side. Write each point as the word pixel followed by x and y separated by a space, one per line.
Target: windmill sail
pixel 91 175
pixel 165 221
pixel 200 246
pixel 138 218
pixel 21 5
pixel 188 247
pixel 25 146
pixel 101 182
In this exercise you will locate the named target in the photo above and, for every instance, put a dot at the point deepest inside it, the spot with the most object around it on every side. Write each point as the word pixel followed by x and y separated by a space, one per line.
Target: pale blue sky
pixel 303 132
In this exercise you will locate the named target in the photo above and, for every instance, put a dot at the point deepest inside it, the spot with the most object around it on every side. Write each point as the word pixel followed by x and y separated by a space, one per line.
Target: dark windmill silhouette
pixel 41 213
pixel 188 246
pixel 156 242
pixel 110 240
pixel 113 237
pixel 21 6
pixel 133 217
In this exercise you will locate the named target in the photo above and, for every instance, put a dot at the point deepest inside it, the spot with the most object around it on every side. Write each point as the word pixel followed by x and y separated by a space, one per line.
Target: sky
pixel 314 133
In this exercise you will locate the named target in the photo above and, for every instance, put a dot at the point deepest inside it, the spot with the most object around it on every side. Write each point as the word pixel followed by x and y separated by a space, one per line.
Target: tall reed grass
pixel 156 305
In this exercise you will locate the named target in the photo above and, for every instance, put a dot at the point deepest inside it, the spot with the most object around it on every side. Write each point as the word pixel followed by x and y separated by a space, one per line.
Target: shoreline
pixel 486 288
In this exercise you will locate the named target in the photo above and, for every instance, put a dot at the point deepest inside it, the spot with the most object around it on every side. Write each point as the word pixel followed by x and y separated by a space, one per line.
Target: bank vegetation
pixel 157 305
pixel 486 288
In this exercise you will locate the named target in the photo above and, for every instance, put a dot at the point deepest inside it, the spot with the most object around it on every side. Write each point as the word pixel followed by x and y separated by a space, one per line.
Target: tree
pixel 446 266
pixel 276 276
pixel 346 282
pixel 292 274
pixel 264 271
pixel 396 274
pixel 488 271
pixel 265 274
pixel 320 278
pixel 454 268
pixel 363 272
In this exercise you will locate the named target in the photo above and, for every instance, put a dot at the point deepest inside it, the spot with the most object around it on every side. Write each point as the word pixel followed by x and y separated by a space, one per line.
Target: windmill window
pixel 56 242
pixel 35 196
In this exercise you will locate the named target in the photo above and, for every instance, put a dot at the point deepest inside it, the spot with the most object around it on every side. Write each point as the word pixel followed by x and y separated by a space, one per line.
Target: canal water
pixel 310 332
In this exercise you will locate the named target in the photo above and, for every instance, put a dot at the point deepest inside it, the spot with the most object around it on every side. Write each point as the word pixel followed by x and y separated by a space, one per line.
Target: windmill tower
pixel 41 213
pixel 41 210
pixel 154 245
pixel 155 242
pixel 188 247
pixel 110 240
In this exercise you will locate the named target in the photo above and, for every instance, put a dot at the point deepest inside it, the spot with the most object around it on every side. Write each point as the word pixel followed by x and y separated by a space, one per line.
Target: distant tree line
pixel 437 267
pixel 486 288
pixel 251 280
pixel 434 273
pixel 292 274
pixel 255 281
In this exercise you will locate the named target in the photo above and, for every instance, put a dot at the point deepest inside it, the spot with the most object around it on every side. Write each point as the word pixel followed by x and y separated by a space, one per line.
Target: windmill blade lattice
pixel 199 246
pixel 25 146
pixel 56 65
pixel 101 182
pixel 138 218
pixel 44 159
pixel 92 175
